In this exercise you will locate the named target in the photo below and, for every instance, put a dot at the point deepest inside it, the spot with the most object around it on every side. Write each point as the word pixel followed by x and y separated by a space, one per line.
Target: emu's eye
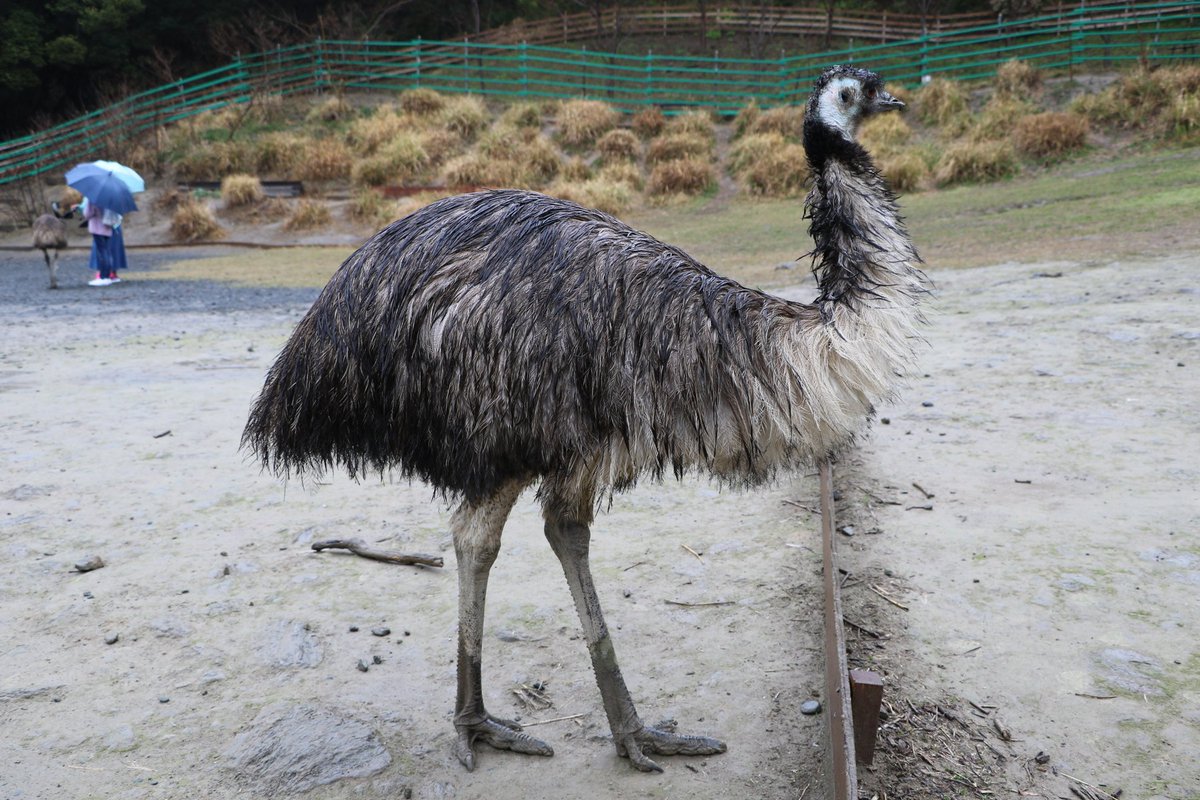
pixel 871 92
pixel 846 95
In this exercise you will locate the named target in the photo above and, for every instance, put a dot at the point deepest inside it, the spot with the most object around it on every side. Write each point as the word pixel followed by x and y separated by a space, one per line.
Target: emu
pixel 50 236
pixel 496 340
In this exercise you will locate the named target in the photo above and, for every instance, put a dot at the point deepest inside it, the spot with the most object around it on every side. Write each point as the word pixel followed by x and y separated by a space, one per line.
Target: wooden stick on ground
pixel 360 548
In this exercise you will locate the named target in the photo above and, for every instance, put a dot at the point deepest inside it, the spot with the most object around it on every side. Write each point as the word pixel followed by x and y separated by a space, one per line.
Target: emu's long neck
pixel 864 330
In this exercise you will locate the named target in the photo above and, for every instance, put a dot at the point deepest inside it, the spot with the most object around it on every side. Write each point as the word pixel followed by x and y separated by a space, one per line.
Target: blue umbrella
pixel 102 187
pixel 127 174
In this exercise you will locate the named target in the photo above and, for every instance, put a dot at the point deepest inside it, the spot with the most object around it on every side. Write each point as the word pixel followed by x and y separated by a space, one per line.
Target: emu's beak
pixel 885 102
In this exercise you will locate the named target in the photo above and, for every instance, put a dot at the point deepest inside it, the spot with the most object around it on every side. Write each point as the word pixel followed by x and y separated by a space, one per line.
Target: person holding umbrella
pixel 108 188
pixel 101 232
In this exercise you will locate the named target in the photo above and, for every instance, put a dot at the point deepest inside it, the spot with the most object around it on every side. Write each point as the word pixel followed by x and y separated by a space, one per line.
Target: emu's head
pixel 844 96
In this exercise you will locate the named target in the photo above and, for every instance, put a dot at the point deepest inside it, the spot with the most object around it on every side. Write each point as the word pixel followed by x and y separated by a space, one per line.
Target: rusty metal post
pixel 866 698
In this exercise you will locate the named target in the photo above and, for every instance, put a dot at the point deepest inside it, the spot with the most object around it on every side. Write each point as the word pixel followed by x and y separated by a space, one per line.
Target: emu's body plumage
pixel 50 236
pixel 494 340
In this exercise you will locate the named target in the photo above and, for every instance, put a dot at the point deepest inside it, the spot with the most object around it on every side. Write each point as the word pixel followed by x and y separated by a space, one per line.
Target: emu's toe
pixel 501 734
pixel 664 742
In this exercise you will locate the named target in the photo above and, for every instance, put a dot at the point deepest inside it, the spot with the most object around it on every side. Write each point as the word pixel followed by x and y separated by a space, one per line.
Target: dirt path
pixel 1054 582
pixel 1055 578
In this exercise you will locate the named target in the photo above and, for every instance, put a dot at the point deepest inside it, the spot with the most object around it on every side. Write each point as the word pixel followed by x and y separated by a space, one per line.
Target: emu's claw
pixel 663 741
pixel 501 734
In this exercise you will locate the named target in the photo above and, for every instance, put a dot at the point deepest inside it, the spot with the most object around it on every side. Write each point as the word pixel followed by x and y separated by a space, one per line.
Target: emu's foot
pixel 663 741
pixel 501 734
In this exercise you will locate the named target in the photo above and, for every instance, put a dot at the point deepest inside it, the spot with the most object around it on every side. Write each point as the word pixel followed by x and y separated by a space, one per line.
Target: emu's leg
pixel 633 739
pixel 477 530
pixel 52 266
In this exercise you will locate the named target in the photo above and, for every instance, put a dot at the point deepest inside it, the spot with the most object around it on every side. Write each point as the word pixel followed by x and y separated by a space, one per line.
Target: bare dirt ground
pixel 1030 502
pixel 122 409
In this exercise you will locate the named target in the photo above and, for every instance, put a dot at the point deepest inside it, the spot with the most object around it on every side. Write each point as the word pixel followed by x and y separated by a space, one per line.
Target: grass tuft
pixel 973 162
pixel 688 175
pixel 307 214
pixel 1050 136
pixel 240 190
pixel 193 221
pixel 582 122
pixel 618 145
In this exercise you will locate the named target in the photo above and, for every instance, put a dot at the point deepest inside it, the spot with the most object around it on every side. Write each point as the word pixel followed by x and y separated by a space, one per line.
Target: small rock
pixel 927 404
pixel 885 420
pixel 626 592
pixel 846 530
pixel 376 659
pixel 91 563
pixel 88 595
pixel 381 631
pixel 112 638
pixel 162 698
pixel 810 707
pixel 362 666
pixel 354 629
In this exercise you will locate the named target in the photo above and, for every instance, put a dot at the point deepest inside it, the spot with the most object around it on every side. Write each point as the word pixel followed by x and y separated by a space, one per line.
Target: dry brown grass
pixel 623 172
pixel 885 133
pixel 697 122
pixel 672 147
pixel 194 222
pixel 752 148
pixel 215 160
pixel 439 145
pixel 582 122
pixel 325 160
pixel 973 162
pixel 690 175
pixel 787 121
pixel 279 153
pixel 476 169
pixel 465 115
pixel 575 169
pixel 904 171
pixel 746 116
pixel 421 102
pixel 398 161
pixel 1051 135
pixel 1184 119
pixel 1152 100
pixel 611 197
pixel 618 145
pixel 997 120
pixel 780 172
pixel 539 160
pixel 648 123
pixel 367 134
pixel 1017 79
pixel 942 103
pixel 307 214
pixel 240 190
pixel 331 109
pixel 522 115
pixel 372 208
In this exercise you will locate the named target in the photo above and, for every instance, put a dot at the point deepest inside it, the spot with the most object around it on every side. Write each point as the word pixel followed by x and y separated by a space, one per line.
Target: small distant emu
pixel 50 236
pixel 496 340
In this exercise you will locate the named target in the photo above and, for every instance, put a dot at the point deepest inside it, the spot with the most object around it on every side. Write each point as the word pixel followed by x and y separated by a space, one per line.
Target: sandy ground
pixel 122 409
pixel 1054 580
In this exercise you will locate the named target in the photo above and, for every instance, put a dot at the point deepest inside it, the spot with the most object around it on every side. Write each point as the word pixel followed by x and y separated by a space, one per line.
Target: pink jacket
pixel 95 220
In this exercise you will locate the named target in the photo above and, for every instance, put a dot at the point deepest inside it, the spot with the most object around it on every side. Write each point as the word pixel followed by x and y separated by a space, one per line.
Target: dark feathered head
pixel 844 96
